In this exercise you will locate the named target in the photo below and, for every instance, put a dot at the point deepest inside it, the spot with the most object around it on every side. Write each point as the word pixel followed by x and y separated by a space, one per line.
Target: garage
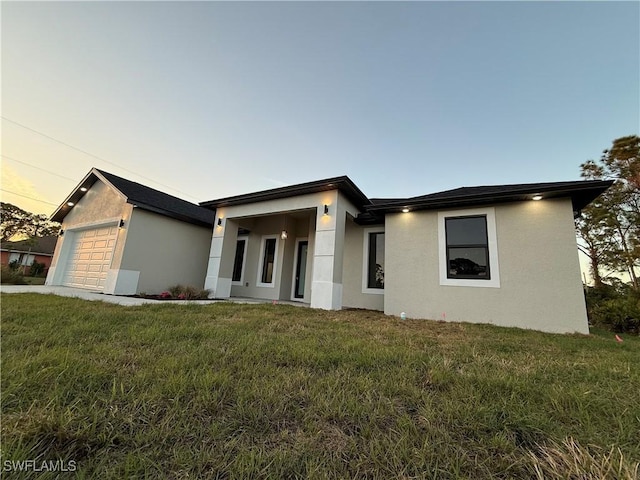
pixel 90 257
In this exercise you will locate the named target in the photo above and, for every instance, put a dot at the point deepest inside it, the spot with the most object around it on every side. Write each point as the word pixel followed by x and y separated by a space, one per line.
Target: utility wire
pixel 38 168
pixel 92 155
pixel 30 198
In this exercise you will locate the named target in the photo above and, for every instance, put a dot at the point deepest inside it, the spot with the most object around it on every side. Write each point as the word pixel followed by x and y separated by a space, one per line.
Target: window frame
pixel 484 246
pixel 244 261
pixel 492 249
pixel 263 244
pixel 365 260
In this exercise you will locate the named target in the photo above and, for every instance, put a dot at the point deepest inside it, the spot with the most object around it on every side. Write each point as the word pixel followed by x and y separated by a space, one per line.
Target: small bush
pixel 616 309
pixel 188 292
pixel 12 276
pixel 37 269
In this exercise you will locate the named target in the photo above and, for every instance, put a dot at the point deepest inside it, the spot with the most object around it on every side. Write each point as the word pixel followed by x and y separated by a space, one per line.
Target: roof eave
pixel 343 184
pixel 176 216
pixel 580 194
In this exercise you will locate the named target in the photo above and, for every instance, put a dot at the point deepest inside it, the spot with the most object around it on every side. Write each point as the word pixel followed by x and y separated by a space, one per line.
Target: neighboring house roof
pixel 142 197
pixel 35 246
pixel 581 193
pixel 343 184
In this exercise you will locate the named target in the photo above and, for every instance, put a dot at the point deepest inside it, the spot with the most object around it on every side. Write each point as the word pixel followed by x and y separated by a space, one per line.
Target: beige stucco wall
pixel 353 296
pixel 540 285
pixel 165 251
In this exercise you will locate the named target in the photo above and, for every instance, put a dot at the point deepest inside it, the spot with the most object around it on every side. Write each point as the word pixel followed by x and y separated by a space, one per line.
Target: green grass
pixel 235 391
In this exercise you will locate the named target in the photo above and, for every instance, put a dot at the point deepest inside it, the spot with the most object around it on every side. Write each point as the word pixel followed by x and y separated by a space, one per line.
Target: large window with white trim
pixel 268 261
pixel 468 248
pixel 373 261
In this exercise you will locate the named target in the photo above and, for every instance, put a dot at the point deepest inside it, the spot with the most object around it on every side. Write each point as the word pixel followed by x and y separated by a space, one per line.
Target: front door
pixel 300 268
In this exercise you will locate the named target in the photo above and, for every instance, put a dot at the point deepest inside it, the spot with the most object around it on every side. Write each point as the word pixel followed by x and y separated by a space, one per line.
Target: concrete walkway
pixel 88 295
pixel 126 301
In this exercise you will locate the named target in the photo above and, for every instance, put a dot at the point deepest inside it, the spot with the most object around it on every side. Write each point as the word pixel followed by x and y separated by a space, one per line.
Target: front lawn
pixel 273 391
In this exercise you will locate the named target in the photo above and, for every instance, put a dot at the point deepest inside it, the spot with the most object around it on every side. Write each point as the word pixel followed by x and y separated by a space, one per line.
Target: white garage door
pixel 90 258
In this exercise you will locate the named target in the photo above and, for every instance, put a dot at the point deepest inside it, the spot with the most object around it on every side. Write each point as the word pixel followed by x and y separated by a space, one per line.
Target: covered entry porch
pixel 281 247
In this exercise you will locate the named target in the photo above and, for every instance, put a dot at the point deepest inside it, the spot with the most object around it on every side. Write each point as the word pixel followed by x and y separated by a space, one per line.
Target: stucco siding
pixel 353 296
pixel 164 251
pixel 540 285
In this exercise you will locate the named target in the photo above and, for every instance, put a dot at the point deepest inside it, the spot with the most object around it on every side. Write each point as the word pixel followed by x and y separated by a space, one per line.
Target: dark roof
pixel 343 184
pixel 36 245
pixel 142 197
pixel 581 193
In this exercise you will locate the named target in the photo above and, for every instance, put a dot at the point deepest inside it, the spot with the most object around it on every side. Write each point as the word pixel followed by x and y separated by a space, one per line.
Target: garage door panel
pixel 90 258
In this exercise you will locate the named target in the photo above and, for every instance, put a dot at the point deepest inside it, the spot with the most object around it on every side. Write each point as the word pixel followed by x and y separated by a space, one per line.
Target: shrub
pixel 616 309
pixel 12 276
pixel 188 292
pixel 37 269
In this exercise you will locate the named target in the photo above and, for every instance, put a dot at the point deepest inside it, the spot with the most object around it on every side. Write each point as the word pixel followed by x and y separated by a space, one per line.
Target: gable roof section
pixel 142 197
pixel 581 193
pixel 343 184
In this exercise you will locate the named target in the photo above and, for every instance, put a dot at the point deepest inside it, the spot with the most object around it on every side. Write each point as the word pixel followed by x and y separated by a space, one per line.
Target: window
pixel 237 277
pixel 266 272
pixel 373 261
pixel 468 248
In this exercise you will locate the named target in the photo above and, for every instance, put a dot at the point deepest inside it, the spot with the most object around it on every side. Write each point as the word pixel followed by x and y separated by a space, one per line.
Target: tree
pixel 610 227
pixel 15 221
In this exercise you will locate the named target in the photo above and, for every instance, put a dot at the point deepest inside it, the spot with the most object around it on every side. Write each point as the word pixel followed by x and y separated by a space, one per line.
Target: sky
pixel 205 100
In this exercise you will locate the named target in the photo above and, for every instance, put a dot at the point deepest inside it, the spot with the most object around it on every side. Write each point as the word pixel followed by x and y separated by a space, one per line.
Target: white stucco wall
pixel 540 286
pixel 353 295
pixel 163 252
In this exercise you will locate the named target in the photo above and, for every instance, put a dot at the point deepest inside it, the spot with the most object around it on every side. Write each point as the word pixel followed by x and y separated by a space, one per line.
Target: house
pixel 121 237
pixel 25 252
pixel 504 254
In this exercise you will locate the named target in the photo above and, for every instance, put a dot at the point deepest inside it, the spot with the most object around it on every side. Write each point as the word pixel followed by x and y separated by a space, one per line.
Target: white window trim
pixel 263 243
pixel 295 265
pixel 244 260
pixel 365 260
pixel 492 238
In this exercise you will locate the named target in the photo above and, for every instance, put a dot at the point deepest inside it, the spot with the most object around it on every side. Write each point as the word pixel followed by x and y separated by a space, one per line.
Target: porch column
pixel 326 287
pixel 221 255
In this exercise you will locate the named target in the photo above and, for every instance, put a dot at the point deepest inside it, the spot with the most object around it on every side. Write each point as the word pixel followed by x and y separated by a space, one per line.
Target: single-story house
pixel 25 252
pixel 504 254
pixel 121 237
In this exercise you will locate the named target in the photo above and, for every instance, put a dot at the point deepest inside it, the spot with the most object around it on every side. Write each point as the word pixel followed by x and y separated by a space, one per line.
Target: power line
pixel 30 198
pixel 92 155
pixel 39 168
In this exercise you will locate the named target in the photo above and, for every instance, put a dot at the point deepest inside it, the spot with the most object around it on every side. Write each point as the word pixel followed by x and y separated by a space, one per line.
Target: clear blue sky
pixel 216 99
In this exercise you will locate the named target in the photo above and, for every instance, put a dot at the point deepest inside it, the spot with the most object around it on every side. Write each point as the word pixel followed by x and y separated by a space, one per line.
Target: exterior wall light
pixel 536 197
pixel 121 224
pixel 284 235
pixel 326 209
pixel 61 233
pixel 219 222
